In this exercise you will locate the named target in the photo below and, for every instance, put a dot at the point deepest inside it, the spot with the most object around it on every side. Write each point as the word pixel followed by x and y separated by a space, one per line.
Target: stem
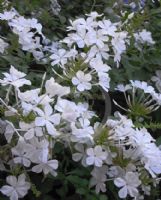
pixel 16 95
pixel 14 128
pixel 42 83
pixel 93 5
pixel 7 95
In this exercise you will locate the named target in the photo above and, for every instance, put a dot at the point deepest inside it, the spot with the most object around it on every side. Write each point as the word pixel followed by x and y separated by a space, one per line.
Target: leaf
pixel 158 141
pixel 75 180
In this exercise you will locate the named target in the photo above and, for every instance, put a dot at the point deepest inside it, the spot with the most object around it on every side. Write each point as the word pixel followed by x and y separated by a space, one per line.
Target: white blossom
pixel 53 88
pixel 144 36
pixel 99 178
pixel 48 119
pixel 17 187
pixel 14 78
pixel 128 185
pixel 82 81
pixel 48 166
pixel 96 156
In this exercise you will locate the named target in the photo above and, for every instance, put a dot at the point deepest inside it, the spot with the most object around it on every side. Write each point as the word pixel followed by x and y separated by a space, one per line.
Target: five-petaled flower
pixel 17 187
pixel 82 81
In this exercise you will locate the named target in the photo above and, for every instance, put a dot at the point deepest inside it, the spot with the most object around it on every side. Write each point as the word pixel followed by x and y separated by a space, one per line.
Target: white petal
pixel 98 149
pixel 133 191
pixel 53 164
pixel 88 86
pixel 7 190
pixel 48 110
pixel 79 147
pixel 51 129
pixel 90 152
pixel 21 179
pixel 55 119
pixel 40 121
pixel 26 162
pixel 77 157
pixel 119 182
pixel 81 87
pixel 12 180
pixel 75 81
pixel 80 74
pixel 29 134
pixel 37 168
pixel 123 193
pixel 14 196
pixel 40 112
pixel 90 160
pixel 98 162
pixel 88 77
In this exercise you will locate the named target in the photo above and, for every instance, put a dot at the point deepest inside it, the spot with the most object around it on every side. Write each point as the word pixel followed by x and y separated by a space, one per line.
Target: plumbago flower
pixel 96 156
pixel 82 81
pixel 35 120
pixel 128 185
pixel 97 40
pixel 14 78
pixel 17 187
pixel 118 149
pixel 48 119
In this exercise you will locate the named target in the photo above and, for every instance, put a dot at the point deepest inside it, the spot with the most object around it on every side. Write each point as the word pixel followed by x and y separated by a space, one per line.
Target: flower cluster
pixel 35 119
pixel 29 33
pixel 118 150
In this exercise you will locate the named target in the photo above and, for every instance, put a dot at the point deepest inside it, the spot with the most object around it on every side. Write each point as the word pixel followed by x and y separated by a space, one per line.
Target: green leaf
pixel 75 180
pixel 158 141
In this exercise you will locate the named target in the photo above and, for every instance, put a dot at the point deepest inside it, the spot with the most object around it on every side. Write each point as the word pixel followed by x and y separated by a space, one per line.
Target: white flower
pixel 60 57
pixel 94 15
pixel 30 96
pixel 82 81
pixel 123 88
pixel 46 167
pixel 118 43
pixel 48 119
pixel 95 51
pixel 157 80
pixel 82 23
pixel 8 15
pixel 30 99
pixel 98 65
pixel 129 185
pixel 96 156
pixel 80 38
pixel 143 86
pixel 3 45
pixel 107 27
pixel 9 131
pixel 20 153
pixel 53 88
pixel 104 80
pixel 97 38
pixel 80 155
pixel 20 24
pixel 144 37
pixel 30 130
pixel 82 109
pixel 17 187
pixel 68 109
pixel 15 78
pixel 82 134
pixel 38 151
pixel 99 178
